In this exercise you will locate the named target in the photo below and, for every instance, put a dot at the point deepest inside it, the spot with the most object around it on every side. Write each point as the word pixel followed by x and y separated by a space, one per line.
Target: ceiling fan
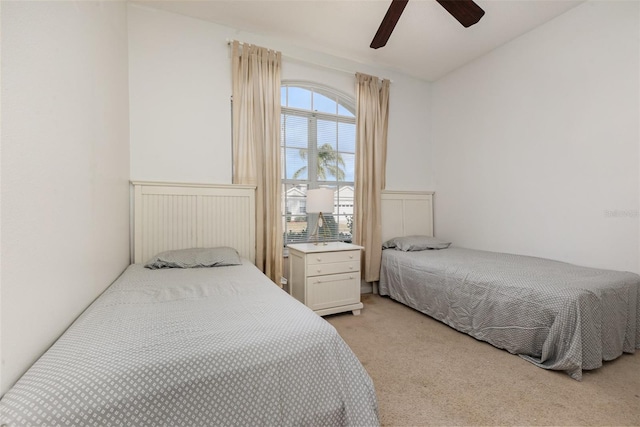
pixel 465 11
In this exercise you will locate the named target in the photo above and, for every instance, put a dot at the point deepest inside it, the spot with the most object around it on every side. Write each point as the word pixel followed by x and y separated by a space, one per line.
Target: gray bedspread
pixel 556 315
pixel 194 347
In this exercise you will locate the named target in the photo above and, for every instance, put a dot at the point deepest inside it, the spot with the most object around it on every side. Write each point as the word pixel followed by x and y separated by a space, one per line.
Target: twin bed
pixel 220 345
pixel 556 315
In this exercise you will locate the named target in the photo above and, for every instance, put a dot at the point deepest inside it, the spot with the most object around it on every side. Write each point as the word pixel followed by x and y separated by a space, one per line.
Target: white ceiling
pixel 427 43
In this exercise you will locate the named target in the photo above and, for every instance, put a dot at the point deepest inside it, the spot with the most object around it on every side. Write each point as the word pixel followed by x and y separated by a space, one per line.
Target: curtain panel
pixel 256 145
pixel 372 118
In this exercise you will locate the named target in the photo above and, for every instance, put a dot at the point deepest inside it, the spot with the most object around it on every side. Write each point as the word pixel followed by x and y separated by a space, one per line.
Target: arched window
pixel 318 137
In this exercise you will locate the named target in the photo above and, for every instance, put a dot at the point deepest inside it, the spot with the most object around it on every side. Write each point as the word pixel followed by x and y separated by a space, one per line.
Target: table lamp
pixel 318 201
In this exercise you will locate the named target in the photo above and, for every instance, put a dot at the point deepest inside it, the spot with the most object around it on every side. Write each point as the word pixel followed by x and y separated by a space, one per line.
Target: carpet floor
pixel 426 373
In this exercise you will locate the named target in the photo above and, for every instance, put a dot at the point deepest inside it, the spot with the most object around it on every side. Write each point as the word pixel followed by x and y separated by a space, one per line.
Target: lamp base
pixel 316 231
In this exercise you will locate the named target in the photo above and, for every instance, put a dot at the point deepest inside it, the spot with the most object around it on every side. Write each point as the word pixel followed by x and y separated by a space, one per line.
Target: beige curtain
pixel 256 145
pixel 372 118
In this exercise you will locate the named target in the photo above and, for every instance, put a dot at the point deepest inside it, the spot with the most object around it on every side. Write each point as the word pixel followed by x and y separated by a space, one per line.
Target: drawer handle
pixel 351 267
pixel 319 259
pixel 351 256
pixel 319 270
pixel 350 277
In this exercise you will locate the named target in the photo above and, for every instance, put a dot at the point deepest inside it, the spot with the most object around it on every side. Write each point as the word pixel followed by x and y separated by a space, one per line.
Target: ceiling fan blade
pixel 388 23
pixel 465 11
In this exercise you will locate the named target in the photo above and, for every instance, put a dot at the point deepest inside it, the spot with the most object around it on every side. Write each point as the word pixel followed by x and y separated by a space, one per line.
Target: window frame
pixel 347 103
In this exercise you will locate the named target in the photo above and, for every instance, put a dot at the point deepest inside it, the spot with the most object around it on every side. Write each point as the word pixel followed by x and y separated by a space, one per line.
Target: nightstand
pixel 326 278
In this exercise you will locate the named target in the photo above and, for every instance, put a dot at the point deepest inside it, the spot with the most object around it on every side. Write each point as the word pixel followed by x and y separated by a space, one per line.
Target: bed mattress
pixel 194 347
pixel 556 315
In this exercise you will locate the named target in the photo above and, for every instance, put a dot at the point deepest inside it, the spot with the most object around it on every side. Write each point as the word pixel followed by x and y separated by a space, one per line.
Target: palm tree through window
pixel 318 150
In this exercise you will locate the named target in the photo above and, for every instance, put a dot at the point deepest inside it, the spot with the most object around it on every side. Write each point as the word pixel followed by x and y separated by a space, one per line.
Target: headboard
pixel 406 213
pixel 178 216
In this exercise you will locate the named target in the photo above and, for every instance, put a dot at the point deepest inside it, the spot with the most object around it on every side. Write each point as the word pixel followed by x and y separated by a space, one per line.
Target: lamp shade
pixel 320 200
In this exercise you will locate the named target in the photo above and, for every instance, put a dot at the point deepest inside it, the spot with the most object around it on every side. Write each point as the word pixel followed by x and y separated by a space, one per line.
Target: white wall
pixel 180 88
pixel 536 143
pixel 65 168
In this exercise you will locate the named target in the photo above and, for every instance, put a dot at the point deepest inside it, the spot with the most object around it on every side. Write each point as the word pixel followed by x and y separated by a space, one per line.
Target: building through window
pixel 318 133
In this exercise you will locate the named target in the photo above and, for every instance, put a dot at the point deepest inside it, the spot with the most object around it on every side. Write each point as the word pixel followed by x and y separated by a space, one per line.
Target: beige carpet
pixel 426 373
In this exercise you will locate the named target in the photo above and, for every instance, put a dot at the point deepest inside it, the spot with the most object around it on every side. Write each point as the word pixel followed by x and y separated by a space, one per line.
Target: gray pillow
pixel 415 243
pixel 195 257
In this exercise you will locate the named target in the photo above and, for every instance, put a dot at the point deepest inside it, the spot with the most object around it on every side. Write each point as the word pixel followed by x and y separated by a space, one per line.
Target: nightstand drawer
pixel 333 268
pixel 330 257
pixel 333 290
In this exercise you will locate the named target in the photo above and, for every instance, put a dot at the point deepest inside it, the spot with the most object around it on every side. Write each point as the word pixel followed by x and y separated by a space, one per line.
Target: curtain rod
pixel 307 62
